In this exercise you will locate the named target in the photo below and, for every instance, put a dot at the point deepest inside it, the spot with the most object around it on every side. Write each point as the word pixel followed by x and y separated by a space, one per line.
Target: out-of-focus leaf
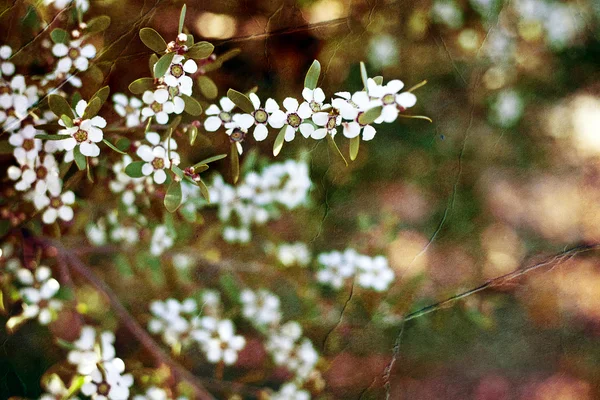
pixel 59 106
pixel 113 147
pixel 181 19
pixel 415 117
pixel 75 99
pixel 241 100
pixel 207 87
pixel 134 169
pixel 173 196
pixel 203 190
pixel 79 158
pixel 76 385
pixel 354 146
pixel 189 42
pixel 230 287
pixel 153 60
pixel 49 127
pixel 92 108
pixel 59 35
pixel 123 144
pixel 162 65
pixel 378 80
pixel 139 86
pixel 193 133
pixel 312 76
pixel 279 140
pixel 153 40
pixel 98 24
pixel 221 59
pixel 369 116
pixel 95 73
pixel 211 159
pixel 333 145
pixel 52 137
pixel 102 94
pixel 200 50
pixel 235 163
pixel 89 172
pixel 14 322
pixel 67 121
pixel 199 168
pixel 6 148
pixel 192 106
pixel 363 74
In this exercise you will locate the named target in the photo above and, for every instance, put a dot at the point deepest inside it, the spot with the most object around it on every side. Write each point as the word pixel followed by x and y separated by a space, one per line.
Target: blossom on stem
pixel 84 133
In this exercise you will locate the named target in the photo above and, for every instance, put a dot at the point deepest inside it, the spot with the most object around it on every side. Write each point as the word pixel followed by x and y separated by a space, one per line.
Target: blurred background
pixel 507 175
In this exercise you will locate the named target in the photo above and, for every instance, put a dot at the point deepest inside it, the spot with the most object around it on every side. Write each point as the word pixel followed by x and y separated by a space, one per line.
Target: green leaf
pixel 279 141
pixel 193 133
pixel 98 24
pixel 153 40
pixel 134 169
pixel 79 158
pixel 162 65
pixel 95 73
pixel 199 168
pixel 52 137
pixel 241 100
pixel 335 148
pixel 59 35
pixel 192 106
pixel 221 59
pixel 230 287
pixel 378 80
pixel 67 121
pixel 312 76
pixel 235 163
pixel 75 99
pixel 6 148
pixel 354 146
pixel 211 159
pixel 200 50
pixel 92 108
pixel 207 87
pixel 177 171
pixel 369 116
pixel 139 86
pixel 59 106
pixel 89 172
pixel 181 19
pixel 174 124
pixel 112 146
pixel 363 74
pixel 49 127
pixel 203 190
pixel 101 94
pixel 189 42
pixel 76 385
pixel 153 60
pixel 123 144
pixel 173 196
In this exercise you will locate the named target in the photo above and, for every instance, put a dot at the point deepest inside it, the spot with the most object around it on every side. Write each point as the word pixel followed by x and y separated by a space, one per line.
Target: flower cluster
pixel 370 272
pixel 255 200
pixel 95 359
pixel 38 291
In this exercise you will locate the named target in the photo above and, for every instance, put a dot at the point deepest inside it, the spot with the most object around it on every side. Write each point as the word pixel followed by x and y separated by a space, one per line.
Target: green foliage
pixel 153 40
pixel 241 100
pixel 354 146
pixel 279 140
pixel 181 19
pixel 162 65
pixel 192 106
pixel 59 106
pixel 134 169
pixel 207 87
pixel 80 159
pixel 59 35
pixel 140 85
pixel 173 196
pixel 98 24
pixel 312 76
pixel 235 163
pixel 200 50
pixel 369 116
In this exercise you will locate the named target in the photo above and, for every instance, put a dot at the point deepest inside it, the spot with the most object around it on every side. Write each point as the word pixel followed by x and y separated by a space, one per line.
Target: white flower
pixel 73 55
pixel 352 109
pixel 219 116
pixel 84 133
pixel 153 393
pixel 161 240
pixel 261 307
pixel 108 383
pixel 15 101
pixel 83 5
pixel 389 98
pixel 25 142
pixel 173 320
pixel 293 253
pixel 290 391
pixel 38 294
pixel 236 235
pixel 159 105
pixel 6 67
pixel 287 347
pixel 57 205
pixel 374 273
pixel 448 13
pixel 330 120
pixel 337 267
pixel 123 183
pixel 130 109
pixel 238 128
pixel 157 157
pixel 314 98
pixel 175 76
pixel 262 116
pixel 294 118
pixel 224 345
pixel 507 108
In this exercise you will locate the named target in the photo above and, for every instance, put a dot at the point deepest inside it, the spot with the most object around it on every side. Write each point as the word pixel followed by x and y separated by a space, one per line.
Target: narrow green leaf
pixel 192 106
pixel 98 24
pixel 415 117
pixel 113 147
pixel 162 65
pixel 335 148
pixel 369 116
pixel 123 144
pixel 49 127
pixel 92 108
pixel 75 99
pixel 79 158
pixel 363 74
pixel 199 168
pixel 230 287
pixel 312 76
pixel 241 100
pixel 89 172
pixel 67 121
pixel 101 94
pixel 200 50
pixel 59 35
pixel 279 141
pixel 52 137
pixel 153 40
pixel 211 159
pixel 193 133
pixel 153 60
pixel 134 169
pixel 76 385
pixel 207 87
pixel 178 171
pixel 378 80
pixel 173 196
pixel 139 86
pixel 95 73
pixel 181 19
pixel 59 106
pixel 148 125
pixel 235 163
pixel 189 42
pixel 354 146
pixel 203 190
